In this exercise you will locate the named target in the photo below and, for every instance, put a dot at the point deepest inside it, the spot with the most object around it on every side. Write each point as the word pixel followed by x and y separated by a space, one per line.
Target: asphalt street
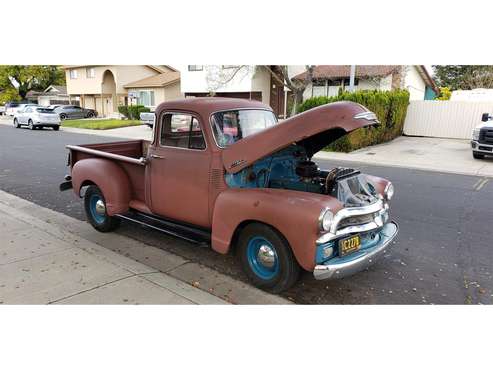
pixel 443 254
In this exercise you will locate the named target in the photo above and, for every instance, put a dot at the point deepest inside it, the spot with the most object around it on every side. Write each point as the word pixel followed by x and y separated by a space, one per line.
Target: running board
pixel 189 233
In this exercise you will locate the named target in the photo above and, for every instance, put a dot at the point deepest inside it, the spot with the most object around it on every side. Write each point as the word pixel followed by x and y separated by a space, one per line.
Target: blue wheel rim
pixel 258 267
pixel 93 200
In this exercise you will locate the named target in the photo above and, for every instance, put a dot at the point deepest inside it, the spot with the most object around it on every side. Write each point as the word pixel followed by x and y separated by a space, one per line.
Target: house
pixel 105 87
pixel 151 91
pixel 54 94
pixel 328 79
pixel 235 81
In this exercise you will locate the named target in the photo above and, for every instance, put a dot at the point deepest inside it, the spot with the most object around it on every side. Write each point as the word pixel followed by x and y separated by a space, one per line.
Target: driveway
pixel 424 153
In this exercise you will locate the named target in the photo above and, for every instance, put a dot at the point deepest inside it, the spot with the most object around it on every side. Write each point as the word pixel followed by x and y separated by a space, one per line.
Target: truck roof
pixel 206 106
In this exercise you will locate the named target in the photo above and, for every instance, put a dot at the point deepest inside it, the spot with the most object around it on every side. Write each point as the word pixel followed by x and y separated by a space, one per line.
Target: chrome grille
pixel 356 220
pixel 486 136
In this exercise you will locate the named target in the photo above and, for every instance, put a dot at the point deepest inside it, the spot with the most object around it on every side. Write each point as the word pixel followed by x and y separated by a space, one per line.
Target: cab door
pixel 178 166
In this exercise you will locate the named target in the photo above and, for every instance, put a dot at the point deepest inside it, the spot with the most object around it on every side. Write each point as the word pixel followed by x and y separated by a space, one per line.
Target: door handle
pixel 155 156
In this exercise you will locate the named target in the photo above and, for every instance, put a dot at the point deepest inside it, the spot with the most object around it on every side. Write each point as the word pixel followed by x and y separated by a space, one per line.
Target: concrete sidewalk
pixel 132 132
pixel 142 132
pixel 423 153
pixel 48 257
pixel 41 263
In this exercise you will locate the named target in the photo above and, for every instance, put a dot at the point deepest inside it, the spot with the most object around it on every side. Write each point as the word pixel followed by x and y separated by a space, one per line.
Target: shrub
pixel 445 94
pixel 123 110
pixel 389 106
pixel 135 110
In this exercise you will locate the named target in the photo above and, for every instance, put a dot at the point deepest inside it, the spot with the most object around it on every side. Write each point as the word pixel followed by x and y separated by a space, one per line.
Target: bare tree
pixel 297 86
pixel 218 77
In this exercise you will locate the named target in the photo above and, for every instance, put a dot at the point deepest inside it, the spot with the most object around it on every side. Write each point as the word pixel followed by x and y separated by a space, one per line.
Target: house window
pixel 146 98
pixel 347 82
pixel 73 74
pixel 90 72
pixel 193 68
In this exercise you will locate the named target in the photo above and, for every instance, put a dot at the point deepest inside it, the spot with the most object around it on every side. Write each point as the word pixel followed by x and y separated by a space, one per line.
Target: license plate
pixel 349 245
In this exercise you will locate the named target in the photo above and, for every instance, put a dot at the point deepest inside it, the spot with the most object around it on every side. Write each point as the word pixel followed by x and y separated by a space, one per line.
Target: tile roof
pixel 342 71
pixel 159 80
pixel 62 90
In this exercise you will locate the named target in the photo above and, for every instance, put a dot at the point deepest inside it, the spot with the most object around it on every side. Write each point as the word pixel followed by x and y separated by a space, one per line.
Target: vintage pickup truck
pixel 226 174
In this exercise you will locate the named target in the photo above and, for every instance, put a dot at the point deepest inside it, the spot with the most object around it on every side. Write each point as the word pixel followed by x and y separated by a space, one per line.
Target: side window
pixel 181 131
pixel 29 110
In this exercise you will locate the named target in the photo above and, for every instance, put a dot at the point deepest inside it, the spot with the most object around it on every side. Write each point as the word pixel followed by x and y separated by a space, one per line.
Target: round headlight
pixel 389 191
pixel 325 220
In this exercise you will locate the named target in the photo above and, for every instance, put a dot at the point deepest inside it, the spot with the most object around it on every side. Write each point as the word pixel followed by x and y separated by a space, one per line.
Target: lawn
pixel 99 124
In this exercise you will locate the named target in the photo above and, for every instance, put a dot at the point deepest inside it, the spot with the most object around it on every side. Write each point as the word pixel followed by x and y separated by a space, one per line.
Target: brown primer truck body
pixel 211 192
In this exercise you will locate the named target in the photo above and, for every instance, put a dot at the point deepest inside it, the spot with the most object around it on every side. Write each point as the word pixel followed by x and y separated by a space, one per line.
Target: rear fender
pixel 294 214
pixel 109 177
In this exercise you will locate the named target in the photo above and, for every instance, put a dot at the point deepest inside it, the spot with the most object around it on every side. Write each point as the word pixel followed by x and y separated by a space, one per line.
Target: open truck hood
pixel 313 129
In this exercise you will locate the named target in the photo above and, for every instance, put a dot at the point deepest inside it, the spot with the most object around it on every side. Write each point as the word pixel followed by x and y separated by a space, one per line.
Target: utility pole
pixel 351 78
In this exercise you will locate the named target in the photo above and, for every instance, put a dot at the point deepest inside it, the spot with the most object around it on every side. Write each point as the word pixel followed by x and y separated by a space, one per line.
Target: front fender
pixel 293 213
pixel 379 182
pixel 109 177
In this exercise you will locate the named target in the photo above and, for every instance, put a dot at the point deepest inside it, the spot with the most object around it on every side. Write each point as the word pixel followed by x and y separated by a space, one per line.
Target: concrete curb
pixel 153 264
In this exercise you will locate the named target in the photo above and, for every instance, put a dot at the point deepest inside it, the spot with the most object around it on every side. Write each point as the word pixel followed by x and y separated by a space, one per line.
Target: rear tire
pixel 56 128
pixel 90 115
pixel 95 207
pixel 267 259
pixel 477 155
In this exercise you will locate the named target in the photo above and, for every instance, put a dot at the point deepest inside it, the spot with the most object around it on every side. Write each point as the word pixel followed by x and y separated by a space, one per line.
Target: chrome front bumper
pixel 337 268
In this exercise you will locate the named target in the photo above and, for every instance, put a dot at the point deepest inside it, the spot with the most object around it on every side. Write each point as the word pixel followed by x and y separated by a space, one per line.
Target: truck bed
pixel 134 149
pixel 129 155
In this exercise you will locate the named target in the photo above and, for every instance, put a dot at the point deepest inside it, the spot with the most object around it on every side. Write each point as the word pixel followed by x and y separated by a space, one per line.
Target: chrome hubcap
pixel 266 256
pixel 100 207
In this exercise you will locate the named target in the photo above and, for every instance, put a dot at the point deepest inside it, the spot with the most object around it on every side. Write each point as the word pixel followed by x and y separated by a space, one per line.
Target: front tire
pixel 30 125
pixel 95 207
pixel 63 116
pixel 16 123
pixel 267 259
pixel 56 128
pixel 477 155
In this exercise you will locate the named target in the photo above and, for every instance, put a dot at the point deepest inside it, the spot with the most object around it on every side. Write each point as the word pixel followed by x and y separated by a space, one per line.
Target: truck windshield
pixel 232 126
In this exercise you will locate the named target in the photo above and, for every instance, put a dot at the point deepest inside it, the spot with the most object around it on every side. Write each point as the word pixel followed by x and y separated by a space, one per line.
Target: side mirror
pixel 485 117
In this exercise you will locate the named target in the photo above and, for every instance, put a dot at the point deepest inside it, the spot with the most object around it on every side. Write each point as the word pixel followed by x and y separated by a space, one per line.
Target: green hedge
pixel 389 106
pixel 123 110
pixel 132 111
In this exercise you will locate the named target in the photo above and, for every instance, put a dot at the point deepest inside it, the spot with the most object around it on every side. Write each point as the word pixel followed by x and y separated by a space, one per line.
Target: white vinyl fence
pixel 448 119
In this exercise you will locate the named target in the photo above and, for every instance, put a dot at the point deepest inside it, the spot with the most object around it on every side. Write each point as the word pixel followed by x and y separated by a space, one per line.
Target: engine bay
pixel 291 169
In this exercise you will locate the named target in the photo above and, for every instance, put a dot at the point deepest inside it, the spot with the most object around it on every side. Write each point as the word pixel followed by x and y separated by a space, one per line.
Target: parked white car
pixel 147 118
pixel 12 107
pixel 35 116
pixel 2 110
pixel 482 138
